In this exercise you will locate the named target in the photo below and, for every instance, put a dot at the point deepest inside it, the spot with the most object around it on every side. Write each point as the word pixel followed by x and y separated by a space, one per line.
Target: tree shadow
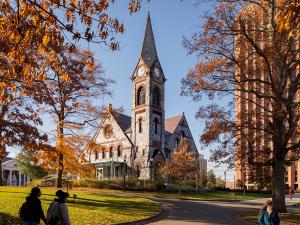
pixel 117 204
pixel 6 219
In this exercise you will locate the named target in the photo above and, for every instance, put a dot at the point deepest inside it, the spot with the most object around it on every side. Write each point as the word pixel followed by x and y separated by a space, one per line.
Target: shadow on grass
pixel 115 202
pixel 6 219
pixel 116 205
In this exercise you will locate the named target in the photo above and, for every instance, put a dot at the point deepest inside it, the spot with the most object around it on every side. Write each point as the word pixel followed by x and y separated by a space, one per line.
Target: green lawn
pixel 211 195
pixel 91 208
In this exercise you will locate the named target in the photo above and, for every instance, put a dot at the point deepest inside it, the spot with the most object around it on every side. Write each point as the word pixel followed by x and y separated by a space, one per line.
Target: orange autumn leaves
pixel 182 164
pixel 32 32
pixel 289 16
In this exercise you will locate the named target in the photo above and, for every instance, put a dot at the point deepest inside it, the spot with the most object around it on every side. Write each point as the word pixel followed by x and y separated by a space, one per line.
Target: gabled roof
pixel 149 53
pixel 171 123
pixel 6 160
pixel 123 120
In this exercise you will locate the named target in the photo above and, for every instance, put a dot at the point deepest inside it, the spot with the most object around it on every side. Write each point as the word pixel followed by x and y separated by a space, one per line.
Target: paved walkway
pixel 185 212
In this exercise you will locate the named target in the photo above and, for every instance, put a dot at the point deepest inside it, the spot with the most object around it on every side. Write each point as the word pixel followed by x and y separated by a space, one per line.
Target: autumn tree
pixel 71 100
pixel 246 58
pixel 182 164
pixel 18 121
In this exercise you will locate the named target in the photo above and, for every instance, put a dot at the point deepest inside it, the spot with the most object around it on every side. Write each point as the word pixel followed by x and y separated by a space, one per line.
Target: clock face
pixel 141 71
pixel 156 72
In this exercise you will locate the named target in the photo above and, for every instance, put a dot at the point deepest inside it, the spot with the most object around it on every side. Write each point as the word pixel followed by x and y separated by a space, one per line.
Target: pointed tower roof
pixel 149 53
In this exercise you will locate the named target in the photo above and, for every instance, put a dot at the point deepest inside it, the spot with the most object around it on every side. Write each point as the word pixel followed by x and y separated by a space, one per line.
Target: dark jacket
pixel 59 210
pixel 36 207
pixel 266 219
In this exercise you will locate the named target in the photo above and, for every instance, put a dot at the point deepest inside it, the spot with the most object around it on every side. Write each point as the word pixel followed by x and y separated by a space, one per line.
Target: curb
pixel 160 215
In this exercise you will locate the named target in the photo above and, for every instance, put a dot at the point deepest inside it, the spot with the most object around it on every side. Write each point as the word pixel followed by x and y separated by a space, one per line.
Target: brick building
pixel 252 111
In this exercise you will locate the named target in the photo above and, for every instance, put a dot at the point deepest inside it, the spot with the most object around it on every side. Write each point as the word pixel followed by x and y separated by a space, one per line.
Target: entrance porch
pixel 110 170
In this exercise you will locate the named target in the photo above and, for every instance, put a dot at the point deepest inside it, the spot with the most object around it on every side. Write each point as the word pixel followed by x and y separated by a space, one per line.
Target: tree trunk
pixel 60 170
pixel 278 175
pixel 3 154
pixel 60 135
pixel 278 186
pixel 179 189
pixel 1 177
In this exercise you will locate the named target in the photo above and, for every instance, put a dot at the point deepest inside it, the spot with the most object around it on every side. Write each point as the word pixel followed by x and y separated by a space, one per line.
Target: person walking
pixel 57 213
pixel 267 215
pixel 291 192
pixel 31 212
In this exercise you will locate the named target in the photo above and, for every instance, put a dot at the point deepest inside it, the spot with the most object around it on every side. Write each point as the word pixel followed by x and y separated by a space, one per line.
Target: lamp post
pixel 225 180
pixel 68 176
pixel 151 169
pixel 244 183
pixel 111 169
pixel 124 173
pixel 197 173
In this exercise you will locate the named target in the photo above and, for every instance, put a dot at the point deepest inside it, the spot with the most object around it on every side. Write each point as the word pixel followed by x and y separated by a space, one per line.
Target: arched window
pixel 140 126
pixel 177 142
pixel 96 155
pixel 155 125
pixel 141 96
pixel 103 153
pixel 156 96
pixel 182 134
pixel 111 152
pixel 119 150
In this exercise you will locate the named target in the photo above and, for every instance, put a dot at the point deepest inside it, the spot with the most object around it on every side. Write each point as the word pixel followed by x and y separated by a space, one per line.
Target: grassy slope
pixel 91 208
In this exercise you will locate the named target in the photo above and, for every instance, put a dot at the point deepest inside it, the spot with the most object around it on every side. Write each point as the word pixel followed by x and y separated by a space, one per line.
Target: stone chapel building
pixel 140 143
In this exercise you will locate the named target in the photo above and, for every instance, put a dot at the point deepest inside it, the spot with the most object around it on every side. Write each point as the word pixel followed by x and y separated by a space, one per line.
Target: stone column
pixel 19 178
pixel 10 178
pixel 25 179
pixel 28 178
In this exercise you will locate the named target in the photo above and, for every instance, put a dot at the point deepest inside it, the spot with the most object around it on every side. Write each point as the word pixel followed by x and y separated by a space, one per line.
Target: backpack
pixel 53 213
pixel 25 212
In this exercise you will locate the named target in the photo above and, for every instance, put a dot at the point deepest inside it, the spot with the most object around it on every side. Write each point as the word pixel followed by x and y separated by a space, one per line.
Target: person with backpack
pixel 31 212
pixel 57 213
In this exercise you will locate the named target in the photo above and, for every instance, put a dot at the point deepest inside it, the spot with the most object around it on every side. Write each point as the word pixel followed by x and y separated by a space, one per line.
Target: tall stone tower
pixel 148 114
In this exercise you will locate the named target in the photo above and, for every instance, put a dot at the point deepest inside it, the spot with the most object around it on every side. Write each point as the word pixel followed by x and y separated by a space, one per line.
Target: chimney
pixel 109 107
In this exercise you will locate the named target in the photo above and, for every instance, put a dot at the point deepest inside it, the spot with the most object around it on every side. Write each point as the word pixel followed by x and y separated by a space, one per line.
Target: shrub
pixel 190 183
pixel 117 184
pixel 49 182
pixel 175 187
pixel 222 189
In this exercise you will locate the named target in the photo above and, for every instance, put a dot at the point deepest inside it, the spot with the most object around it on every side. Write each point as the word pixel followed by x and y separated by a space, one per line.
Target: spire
pixel 149 53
